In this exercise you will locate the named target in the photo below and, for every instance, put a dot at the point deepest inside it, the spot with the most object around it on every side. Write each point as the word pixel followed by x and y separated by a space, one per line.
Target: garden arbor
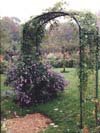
pixel 33 33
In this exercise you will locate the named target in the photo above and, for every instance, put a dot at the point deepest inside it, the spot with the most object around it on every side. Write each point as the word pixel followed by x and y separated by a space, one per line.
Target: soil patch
pixel 31 123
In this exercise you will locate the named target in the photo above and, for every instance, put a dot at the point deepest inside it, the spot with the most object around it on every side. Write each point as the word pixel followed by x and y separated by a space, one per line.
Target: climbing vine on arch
pixel 32 37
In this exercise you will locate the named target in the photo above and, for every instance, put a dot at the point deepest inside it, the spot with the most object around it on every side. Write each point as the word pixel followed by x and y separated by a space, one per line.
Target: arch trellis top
pixel 51 15
pixel 34 29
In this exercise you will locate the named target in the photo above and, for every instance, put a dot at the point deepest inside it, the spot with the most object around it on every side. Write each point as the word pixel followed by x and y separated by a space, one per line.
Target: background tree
pixel 58 6
pixel 11 33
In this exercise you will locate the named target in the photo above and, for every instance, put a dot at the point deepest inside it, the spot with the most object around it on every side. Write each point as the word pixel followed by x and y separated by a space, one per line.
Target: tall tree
pixel 11 32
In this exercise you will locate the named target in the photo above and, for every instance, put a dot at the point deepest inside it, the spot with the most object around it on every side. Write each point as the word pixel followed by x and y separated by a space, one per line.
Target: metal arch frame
pixel 45 18
pixel 97 74
pixel 52 15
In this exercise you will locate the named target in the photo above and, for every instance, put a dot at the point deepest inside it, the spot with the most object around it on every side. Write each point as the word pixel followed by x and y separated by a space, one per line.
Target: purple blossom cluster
pixel 35 83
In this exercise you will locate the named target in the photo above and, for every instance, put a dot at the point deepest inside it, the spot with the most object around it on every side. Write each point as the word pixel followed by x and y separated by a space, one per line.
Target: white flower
pixel 9 111
pixel 52 124
pixel 68 130
pixel 56 109
pixel 55 126
pixel 4 125
pixel 60 111
pixel 15 113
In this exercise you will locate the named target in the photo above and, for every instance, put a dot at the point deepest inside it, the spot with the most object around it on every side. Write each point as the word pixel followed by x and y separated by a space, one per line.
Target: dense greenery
pixel 32 37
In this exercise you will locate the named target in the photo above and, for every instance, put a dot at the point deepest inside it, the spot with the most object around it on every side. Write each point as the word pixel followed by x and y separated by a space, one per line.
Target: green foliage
pixel 32 37
pixel 87 21
pixel 88 55
pixel 58 6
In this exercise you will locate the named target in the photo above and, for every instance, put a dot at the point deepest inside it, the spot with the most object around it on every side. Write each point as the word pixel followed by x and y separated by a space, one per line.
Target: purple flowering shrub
pixel 35 83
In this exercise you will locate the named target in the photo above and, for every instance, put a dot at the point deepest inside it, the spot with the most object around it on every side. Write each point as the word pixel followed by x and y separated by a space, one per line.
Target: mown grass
pixel 64 110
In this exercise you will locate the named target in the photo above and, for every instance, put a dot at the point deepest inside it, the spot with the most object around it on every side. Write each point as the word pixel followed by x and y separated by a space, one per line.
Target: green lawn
pixel 64 111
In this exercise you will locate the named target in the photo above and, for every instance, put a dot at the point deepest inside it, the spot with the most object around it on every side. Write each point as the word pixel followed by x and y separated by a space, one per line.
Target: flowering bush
pixel 35 83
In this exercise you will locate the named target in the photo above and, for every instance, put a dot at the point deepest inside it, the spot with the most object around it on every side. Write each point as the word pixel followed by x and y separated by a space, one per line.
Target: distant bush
pixel 35 83
pixel 68 63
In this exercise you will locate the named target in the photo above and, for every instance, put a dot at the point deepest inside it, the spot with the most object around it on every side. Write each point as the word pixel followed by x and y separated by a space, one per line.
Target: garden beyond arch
pixel 33 33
